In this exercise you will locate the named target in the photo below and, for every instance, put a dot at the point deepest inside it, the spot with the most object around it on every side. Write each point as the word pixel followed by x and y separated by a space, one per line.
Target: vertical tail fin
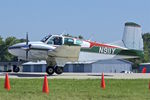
pixel 132 36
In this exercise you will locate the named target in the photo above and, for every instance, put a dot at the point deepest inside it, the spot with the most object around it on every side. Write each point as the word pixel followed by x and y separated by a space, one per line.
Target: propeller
pixel 27 39
pixel 27 47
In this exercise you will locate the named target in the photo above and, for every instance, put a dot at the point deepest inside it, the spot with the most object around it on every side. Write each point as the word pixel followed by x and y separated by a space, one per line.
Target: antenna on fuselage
pixel 91 37
pixel 63 33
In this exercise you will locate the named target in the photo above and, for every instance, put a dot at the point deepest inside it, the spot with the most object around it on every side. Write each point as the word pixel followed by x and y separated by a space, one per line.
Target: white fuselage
pixel 39 51
pixel 67 49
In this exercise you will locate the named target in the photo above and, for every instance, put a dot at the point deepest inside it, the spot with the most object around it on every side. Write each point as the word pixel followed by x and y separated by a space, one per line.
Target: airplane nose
pixel 10 49
pixel 18 50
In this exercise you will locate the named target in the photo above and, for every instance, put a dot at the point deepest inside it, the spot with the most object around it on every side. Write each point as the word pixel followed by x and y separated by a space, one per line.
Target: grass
pixel 69 89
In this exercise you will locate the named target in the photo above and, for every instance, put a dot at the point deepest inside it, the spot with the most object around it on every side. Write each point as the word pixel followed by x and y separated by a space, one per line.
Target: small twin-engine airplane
pixel 57 50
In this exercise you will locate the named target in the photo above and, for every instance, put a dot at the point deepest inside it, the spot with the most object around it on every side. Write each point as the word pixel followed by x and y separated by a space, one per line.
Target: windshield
pixel 46 38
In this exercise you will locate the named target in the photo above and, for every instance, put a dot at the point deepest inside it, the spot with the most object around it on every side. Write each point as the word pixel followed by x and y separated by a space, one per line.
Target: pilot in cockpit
pixel 57 41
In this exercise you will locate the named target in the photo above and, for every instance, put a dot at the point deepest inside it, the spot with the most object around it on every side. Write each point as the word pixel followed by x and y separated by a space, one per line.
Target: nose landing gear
pixel 16 68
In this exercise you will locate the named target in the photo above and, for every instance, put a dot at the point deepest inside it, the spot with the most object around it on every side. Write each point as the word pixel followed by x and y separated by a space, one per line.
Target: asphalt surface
pixel 78 75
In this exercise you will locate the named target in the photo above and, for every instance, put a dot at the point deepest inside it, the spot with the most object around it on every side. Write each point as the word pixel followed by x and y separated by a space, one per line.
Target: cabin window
pixel 79 42
pixel 68 41
pixel 55 40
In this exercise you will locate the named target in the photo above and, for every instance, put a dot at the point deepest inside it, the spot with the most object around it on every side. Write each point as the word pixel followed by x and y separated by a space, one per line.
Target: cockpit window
pixel 55 40
pixel 46 38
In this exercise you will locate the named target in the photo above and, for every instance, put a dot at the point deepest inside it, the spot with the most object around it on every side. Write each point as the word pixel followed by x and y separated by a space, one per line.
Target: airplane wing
pixel 63 54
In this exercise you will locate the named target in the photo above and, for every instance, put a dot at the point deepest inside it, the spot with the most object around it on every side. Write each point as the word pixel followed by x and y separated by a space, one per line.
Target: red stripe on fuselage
pixel 100 45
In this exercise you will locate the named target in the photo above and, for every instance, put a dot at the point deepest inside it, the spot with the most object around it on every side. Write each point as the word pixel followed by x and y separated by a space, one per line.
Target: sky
pixel 97 20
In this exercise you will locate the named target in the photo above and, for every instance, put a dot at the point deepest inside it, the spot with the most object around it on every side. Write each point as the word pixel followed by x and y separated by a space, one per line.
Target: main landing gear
pixel 50 70
pixel 16 68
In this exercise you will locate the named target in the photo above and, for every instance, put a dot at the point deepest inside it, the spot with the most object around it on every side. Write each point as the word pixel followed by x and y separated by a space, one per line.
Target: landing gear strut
pixel 16 69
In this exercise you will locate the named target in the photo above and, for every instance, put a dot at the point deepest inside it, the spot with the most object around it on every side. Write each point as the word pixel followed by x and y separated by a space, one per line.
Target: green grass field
pixel 67 89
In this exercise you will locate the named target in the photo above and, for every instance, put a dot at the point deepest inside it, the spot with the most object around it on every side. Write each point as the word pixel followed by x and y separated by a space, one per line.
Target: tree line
pixel 4 45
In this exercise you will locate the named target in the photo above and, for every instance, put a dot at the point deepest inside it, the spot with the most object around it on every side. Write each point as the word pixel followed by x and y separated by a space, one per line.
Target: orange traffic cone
pixel 102 81
pixel 144 70
pixel 45 85
pixel 7 84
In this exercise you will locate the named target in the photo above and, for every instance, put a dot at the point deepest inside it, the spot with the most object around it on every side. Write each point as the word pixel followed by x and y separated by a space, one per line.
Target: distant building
pixel 107 66
pixel 34 66
pixel 146 65
pixel 6 66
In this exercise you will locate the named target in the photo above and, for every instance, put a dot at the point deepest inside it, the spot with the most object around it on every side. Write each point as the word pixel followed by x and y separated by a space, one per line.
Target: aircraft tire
pixel 58 70
pixel 16 69
pixel 50 70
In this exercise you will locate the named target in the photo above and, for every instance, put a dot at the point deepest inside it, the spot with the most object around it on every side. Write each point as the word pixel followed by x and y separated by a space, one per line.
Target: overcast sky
pixel 99 20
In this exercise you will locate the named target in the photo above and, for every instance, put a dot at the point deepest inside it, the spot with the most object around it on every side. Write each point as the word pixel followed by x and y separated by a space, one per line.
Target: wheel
pixel 50 70
pixel 58 70
pixel 16 69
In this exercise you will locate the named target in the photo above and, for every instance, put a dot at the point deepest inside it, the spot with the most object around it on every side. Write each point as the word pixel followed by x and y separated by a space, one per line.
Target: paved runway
pixel 78 75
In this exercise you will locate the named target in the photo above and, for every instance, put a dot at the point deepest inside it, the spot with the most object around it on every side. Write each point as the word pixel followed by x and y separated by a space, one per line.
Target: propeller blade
pixel 27 39
pixel 27 55
pixel 27 46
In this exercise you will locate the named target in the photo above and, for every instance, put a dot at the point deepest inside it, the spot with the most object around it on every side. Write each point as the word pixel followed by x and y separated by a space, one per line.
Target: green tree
pixel 146 43
pixel 4 45
pixel 1 47
pixel 146 40
pixel 6 56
